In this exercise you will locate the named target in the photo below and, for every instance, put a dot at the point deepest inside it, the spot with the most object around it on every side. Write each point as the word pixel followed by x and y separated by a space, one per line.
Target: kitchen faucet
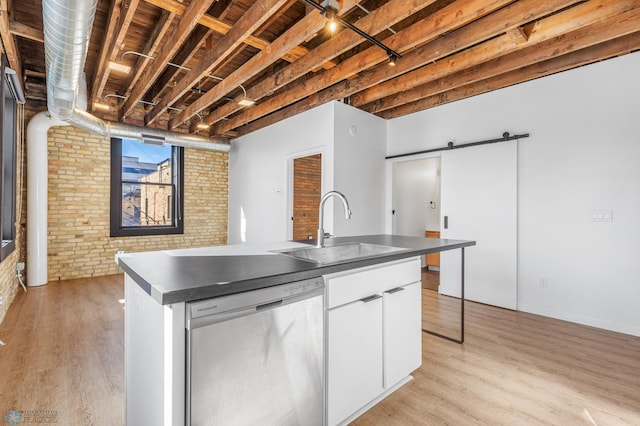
pixel 347 213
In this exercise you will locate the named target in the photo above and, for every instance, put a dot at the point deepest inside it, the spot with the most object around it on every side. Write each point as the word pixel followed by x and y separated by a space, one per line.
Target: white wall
pixel 352 162
pixel 258 173
pixel 359 149
pixel 583 154
pixel 416 183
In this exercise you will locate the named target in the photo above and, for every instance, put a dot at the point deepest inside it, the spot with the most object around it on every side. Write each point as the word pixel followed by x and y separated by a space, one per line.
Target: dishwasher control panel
pixel 248 299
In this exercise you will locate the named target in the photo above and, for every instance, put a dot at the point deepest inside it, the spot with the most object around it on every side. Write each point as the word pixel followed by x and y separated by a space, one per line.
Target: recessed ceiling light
pixel 246 102
pixel 116 66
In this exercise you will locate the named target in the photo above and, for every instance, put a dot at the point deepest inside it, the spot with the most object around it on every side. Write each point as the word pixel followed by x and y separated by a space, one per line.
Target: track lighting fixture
pixel 331 13
pixel 392 58
pixel 329 9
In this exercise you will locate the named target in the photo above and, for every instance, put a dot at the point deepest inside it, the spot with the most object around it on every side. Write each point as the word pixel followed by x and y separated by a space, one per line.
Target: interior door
pixel 479 202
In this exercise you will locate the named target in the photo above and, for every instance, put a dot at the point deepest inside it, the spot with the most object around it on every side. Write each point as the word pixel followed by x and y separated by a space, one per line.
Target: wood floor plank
pixel 65 352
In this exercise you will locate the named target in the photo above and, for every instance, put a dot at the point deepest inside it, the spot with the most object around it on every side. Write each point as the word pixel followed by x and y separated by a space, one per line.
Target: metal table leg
pixel 461 340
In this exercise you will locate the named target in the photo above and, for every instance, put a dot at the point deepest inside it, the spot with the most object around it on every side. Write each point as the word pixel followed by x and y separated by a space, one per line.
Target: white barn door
pixel 479 202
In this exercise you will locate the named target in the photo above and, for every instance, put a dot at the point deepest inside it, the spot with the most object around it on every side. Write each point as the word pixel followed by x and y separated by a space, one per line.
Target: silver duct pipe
pixel 67 29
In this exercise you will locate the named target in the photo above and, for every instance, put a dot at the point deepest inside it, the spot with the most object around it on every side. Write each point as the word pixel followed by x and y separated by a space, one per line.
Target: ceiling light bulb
pixel 246 102
pixel 115 66
pixel 332 25
pixel 202 126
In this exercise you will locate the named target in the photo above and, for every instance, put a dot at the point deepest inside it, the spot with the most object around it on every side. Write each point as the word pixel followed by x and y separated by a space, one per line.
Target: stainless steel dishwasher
pixel 257 358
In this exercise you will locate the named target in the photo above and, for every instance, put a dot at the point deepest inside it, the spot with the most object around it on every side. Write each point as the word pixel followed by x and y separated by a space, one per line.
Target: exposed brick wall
pixel 78 217
pixel 307 184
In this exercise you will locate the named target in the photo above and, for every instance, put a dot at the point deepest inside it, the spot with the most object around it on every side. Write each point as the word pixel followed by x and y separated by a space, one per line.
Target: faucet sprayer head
pixel 347 214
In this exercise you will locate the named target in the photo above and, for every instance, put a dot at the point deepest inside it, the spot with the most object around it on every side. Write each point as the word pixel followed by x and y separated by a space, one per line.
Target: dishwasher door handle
pixel 269 305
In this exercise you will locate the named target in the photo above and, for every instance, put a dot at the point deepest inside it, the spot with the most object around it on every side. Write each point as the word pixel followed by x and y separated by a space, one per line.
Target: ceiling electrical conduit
pixel 67 29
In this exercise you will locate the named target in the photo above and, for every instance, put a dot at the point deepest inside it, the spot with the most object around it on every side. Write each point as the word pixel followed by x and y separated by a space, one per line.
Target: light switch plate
pixel 601 215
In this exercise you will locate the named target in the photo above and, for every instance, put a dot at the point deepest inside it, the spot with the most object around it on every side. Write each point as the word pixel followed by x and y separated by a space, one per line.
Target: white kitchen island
pixel 371 320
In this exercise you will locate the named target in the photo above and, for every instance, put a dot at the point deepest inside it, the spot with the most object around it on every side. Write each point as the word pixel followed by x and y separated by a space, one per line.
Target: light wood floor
pixel 64 352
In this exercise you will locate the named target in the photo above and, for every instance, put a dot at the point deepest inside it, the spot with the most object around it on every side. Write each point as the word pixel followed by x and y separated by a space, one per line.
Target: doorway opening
pixel 416 208
pixel 307 192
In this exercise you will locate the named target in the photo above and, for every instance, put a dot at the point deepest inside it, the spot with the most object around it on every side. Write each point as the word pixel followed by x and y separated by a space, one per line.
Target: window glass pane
pixel 140 161
pixel 147 204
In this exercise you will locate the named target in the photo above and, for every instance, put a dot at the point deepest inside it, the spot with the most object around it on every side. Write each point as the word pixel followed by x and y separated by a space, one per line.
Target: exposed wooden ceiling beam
pixel 113 43
pixel 191 46
pixel 102 71
pixel 309 25
pixel 403 88
pixel 445 20
pixel 151 46
pixel 223 28
pixel 8 41
pixel 299 32
pixel 486 28
pixel 189 20
pixel 490 26
pixel 253 18
pixel 26 31
pixel 619 46
pixel 387 15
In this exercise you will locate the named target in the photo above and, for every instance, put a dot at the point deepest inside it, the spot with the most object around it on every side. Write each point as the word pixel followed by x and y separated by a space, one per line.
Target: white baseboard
pixel 606 324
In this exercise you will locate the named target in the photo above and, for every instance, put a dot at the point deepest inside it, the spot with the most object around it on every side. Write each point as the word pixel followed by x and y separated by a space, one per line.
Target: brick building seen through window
pixel 146 188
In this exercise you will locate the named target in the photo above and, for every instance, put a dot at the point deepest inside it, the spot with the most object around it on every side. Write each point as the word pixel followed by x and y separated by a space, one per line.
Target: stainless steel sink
pixel 339 252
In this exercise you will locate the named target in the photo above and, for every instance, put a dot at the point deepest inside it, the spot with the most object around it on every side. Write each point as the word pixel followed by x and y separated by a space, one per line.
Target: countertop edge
pixel 190 294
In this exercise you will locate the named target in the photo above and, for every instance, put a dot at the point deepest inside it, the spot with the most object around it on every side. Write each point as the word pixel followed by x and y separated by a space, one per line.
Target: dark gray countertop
pixel 194 274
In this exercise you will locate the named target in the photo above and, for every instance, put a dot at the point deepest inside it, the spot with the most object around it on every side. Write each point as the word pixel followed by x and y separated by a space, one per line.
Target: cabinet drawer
pixel 347 286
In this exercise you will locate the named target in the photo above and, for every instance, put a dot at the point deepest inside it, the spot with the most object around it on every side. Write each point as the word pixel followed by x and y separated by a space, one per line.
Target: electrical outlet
pixel 20 266
pixel 543 283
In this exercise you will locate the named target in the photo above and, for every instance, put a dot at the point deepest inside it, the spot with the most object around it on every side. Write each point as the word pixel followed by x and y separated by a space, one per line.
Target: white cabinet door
pixel 402 332
pixel 354 357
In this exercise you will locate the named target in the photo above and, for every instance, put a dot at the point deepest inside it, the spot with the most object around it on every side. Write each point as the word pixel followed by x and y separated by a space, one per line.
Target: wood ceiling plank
pixel 400 90
pixel 378 21
pixel 153 42
pixel 222 28
pixel 197 38
pixel 517 35
pixel 252 19
pixel 447 19
pixel 26 31
pixel 309 25
pixel 582 38
pixel 102 71
pixel 616 47
pixel 8 41
pixel 187 23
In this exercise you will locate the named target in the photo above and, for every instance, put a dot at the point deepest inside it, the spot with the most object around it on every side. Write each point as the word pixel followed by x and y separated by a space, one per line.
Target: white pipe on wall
pixel 37 197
